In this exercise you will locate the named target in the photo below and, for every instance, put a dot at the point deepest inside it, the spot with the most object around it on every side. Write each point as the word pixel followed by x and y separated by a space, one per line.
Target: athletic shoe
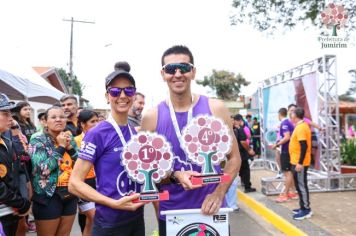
pixel 293 196
pixel 250 190
pixel 303 214
pixel 282 198
pixel 31 227
pixel 155 233
pixel 295 211
pixel 236 210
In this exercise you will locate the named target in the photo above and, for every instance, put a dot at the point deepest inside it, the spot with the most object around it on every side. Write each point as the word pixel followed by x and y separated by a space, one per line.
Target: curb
pixel 270 216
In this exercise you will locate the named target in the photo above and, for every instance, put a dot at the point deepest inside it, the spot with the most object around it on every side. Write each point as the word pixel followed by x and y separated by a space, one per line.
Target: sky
pixel 139 31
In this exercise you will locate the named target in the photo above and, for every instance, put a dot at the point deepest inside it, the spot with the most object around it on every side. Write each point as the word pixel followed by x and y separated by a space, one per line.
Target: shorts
pixel 55 208
pixel 83 204
pixel 285 161
pixel 133 228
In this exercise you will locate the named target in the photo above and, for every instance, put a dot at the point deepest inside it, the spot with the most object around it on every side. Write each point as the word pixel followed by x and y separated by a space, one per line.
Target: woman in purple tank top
pixel 169 118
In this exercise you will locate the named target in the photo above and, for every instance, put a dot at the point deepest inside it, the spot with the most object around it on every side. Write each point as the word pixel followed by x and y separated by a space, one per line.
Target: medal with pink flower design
pixel 206 141
pixel 148 159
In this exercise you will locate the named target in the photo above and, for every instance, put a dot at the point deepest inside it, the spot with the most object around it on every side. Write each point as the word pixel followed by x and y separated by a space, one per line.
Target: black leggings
pixel 9 224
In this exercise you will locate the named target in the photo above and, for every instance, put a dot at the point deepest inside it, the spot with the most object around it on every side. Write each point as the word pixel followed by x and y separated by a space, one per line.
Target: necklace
pixel 174 117
pixel 118 130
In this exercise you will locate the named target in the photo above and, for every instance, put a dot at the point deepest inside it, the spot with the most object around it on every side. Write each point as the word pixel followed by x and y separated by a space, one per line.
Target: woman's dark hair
pixel 84 116
pixel 17 116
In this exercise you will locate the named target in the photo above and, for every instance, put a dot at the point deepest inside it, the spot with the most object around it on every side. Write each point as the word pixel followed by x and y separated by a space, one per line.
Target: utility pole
pixel 71 74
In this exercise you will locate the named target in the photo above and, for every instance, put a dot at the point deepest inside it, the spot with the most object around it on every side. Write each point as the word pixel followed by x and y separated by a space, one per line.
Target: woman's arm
pixel 78 187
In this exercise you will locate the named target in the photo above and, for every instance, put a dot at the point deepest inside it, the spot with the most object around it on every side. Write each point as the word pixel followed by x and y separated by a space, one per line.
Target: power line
pixel 71 77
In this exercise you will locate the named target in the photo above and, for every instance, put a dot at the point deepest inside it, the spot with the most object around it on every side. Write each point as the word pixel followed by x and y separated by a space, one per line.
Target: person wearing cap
pixel 102 145
pixel 10 171
pixel 178 72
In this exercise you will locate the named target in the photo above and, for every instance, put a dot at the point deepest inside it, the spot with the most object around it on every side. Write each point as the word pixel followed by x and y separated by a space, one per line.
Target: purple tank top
pixel 178 197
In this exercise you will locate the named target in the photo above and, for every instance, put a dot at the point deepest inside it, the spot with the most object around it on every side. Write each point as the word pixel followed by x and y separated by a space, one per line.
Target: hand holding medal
pixel 148 158
pixel 206 140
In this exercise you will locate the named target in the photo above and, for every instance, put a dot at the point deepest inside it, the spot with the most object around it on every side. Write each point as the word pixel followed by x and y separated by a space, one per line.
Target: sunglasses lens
pixel 130 91
pixel 185 68
pixel 115 92
pixel 172 68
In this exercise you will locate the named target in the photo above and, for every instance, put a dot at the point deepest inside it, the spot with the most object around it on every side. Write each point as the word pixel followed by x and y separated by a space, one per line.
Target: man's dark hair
pixel 238 117
pixel 41 115
pixel 299 112
pixel 291 105
pixel 248 116
pixel 283 112
pixel 68 96
pixel 255 118
pixel 178 49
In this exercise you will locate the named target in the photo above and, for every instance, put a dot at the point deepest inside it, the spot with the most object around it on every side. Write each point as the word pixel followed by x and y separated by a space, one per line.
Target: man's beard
pixel 69 115
pixel 136 112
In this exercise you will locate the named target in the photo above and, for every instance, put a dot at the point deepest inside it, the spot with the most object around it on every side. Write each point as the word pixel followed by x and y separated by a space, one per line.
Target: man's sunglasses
pixel 172 68
pixel 115 92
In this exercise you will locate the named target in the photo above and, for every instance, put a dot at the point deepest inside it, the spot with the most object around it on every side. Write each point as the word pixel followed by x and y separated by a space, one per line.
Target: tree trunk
pixel 148 185
pixel 208 168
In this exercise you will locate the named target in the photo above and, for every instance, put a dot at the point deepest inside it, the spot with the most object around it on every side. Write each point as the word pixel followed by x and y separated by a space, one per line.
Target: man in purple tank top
pixel 169 118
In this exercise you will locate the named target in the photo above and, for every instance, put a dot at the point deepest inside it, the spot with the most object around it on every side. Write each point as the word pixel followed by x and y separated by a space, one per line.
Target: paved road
pixel 241 224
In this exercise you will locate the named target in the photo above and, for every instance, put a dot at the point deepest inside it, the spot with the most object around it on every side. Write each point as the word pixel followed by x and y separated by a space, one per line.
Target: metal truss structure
pixel 329 177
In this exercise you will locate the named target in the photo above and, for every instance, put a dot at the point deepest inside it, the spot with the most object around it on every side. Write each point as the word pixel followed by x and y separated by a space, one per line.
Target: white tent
pixel 23 83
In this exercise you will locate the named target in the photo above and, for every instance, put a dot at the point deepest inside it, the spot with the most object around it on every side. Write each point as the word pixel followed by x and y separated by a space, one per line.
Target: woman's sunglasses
pixel 172 68
pixel 115 92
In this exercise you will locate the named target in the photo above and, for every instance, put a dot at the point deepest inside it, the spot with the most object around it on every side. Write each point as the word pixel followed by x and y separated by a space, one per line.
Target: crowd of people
pixel 72 160
pixel 37 162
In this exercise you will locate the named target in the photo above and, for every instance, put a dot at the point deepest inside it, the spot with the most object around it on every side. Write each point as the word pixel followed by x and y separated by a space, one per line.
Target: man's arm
pixel 285 139
pixel 149 120
pixel 213 201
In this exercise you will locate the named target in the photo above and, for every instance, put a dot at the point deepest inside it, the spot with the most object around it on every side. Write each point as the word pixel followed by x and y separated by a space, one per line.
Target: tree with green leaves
pixel 77 87
pixel 269 15
pixel 226 84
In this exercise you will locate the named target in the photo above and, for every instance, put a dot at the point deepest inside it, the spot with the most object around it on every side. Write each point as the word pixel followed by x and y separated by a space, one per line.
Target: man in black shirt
pixel 245 152
pixel 12 203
